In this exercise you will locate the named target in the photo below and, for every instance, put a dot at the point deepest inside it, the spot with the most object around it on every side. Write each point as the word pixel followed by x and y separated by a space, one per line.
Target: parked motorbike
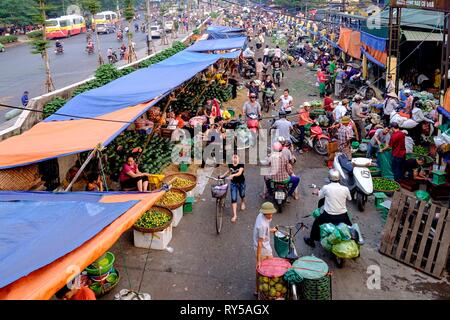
pixel 316 139
pixel 356 176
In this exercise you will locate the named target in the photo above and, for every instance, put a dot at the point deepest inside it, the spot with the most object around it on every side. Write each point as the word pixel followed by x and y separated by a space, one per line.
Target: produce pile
pixel 170 198
pixel 179 182
pixel 272 288
pixel 384 184
pixel 153 218
pixel 154 158
pixel 338 239
pixel 421 151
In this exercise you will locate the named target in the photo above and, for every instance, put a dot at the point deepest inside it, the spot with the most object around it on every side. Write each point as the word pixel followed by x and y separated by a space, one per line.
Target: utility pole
pixel 150 45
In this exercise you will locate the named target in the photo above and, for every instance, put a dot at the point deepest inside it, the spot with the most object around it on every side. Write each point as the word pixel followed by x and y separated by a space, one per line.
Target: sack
pixel 344 231
pixel 346 249
pixel 384 161
pixel 326 229
pixel 409 124
pixel 334 237
pixel 326 245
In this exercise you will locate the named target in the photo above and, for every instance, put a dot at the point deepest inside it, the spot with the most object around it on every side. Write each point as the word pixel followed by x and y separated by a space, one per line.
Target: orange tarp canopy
pixel 43 283
pixel 47 140
pixel 350 42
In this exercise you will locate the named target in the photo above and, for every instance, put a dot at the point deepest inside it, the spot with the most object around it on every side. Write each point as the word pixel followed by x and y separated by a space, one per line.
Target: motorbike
pixel 316 139
pixel 359 86
pixel 120 37
pixel 59 50
pixel 122 54
pixel 355 235
pixel 90 49
pixel 356 176
pixel 244 138
pixel 267 100
pixel 253 123
pixel 277 76
pixel 249 68
pixel 112 58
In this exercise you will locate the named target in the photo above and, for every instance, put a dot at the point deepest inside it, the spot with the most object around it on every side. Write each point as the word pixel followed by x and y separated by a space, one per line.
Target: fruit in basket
pixel 273 292
pixel 385 184
pixel 278 287
pixel 265 279
pixel 170 198
pixel 265 287
pixel 153 219
pixel 276 279
pixel 283 290
pixel 272 283
pixel 181 183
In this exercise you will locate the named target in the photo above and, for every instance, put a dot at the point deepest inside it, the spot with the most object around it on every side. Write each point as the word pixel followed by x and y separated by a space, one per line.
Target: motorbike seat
pixel 284 182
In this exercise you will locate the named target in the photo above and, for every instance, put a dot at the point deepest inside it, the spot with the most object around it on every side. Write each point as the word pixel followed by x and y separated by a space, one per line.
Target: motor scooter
pixel 112 58
pixel 316 139
pixel 59 50
pixel 90 50
pixel 355 175
pixel 253 123
pixel 277 76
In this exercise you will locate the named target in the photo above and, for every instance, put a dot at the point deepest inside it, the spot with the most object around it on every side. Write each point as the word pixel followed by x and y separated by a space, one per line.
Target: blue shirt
pixel 24 100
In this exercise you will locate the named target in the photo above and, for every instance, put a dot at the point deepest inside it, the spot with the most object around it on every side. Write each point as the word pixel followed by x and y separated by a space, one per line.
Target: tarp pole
pixel 89 158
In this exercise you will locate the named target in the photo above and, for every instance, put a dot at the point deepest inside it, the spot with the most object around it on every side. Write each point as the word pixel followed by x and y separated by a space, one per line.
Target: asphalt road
pixel 22 70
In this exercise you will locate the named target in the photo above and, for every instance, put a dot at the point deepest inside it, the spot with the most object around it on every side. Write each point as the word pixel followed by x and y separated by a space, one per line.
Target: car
pixel 105 28
pixel 2 48
pixel 155 31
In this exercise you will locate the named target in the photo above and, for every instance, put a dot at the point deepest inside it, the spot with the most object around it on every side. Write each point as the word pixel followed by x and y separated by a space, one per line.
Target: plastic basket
pixel 422 195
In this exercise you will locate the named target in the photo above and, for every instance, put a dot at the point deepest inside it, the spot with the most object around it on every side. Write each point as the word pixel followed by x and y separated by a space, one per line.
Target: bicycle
pixel 291 254
pixel 219 191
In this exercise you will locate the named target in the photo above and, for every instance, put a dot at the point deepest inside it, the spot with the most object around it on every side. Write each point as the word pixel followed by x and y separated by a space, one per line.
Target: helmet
pixel 334 175
pixel 281 140
pixel 282 114
pixel 277 146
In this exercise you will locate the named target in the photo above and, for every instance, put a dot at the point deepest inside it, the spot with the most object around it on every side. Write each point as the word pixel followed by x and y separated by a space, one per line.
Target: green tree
pixel 20 13
pixel 163 10
pixel 40 44
pixel 129 17
pixel 93 6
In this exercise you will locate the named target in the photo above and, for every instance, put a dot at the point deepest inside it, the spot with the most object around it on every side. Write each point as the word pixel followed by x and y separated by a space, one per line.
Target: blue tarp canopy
pixel 224 29
pixel 220 44
pixel 374 42
pixel 34 231
pixel 140 86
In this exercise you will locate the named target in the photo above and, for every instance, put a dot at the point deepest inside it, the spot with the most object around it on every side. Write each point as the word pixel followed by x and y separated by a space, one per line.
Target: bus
pixel 64 27
pixel 105 17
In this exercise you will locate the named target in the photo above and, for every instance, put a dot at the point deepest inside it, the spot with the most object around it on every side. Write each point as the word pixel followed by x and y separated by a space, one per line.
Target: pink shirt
pixel 127 168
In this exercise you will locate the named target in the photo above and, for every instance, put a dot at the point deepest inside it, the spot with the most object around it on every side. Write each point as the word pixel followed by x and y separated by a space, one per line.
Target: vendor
pixel 131 177
pixel 414 169
pixel 94 182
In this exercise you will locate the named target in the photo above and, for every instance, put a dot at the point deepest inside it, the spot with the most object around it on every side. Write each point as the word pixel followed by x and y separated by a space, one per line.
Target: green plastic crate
pixel 380 197
pixel 438 177
pixel 184 167
pixel 187 208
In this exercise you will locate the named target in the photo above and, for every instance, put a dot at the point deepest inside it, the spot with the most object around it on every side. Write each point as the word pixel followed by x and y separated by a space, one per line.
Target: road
pixel 207 266
pixel 22 70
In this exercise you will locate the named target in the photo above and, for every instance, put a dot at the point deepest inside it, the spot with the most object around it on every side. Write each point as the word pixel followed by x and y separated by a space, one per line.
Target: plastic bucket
pixel 232 113
pixel 422 195
pixel 281 244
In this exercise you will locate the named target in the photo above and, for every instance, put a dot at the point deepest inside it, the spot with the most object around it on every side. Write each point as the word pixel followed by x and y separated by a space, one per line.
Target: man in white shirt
pixel 248 53
pixel 283 127
pixel 339 112
pixel 286 102
pixel 266 55
pixel 277 52
pixel 335 207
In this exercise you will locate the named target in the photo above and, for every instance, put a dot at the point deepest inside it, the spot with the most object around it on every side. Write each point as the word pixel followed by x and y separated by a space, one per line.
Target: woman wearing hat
pixel 261 235
pixel 390 105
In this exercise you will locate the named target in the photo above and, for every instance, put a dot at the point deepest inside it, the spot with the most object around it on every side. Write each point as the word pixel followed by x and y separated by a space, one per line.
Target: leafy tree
pixel 93 6
pixel 20 13
pixel 163 10
pixel 129 17
pixel 40 44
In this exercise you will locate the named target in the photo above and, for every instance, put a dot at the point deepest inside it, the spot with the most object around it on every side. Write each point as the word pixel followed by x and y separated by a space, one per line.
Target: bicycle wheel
pixel 220 203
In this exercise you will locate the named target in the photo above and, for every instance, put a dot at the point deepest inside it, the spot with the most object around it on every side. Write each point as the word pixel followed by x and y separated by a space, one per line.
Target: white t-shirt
pixel 262 230
pixel 278 52
pixel 266 51
pixel 339 111
pixel 336 197
pixel 285 103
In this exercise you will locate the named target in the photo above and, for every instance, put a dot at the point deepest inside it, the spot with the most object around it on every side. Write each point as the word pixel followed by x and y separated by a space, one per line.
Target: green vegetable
pixel 153 219
pixel 384 184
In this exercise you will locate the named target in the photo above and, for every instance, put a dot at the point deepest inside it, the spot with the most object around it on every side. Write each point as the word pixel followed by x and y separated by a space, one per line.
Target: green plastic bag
pixel 316 213
pixel 325 244
pixel 346 249
pixel 384 163
pixel 326 229
pixel 344 231
pixel 334 237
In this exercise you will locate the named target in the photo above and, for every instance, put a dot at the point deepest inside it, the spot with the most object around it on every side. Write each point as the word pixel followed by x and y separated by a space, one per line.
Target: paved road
pixel 206 266
pixel 22 70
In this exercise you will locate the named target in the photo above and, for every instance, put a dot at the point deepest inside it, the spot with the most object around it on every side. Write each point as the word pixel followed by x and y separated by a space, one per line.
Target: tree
pixel 20 13
pixel 93 6
pixel 40 43
pixel 129 16
pixel 163 10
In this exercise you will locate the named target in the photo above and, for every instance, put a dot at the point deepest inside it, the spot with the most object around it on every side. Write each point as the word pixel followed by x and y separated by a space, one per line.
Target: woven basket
pixel 161 228
pixel 175 205
pixel 21 178
pixel 168 179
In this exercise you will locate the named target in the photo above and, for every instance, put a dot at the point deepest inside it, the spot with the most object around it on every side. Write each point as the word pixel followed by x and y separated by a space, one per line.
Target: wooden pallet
pixel 408 235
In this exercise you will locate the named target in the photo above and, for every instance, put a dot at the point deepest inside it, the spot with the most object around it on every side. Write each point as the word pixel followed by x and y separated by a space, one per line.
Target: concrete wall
pixel 28 119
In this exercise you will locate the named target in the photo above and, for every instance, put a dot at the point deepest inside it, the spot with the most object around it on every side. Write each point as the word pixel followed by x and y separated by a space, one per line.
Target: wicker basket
pixel 21 178
pixel 175 205
pixel 168 179
pixel 161 228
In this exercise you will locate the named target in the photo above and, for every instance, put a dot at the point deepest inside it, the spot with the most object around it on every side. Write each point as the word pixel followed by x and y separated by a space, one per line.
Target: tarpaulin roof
pixel 372 59
pixel 377 43
pixel 412 35
pixel 224 29
pixel 140 86
pixel 223 35
pixel 122 101
pixel 83 226
pixel 35 233
pixel 48 140
pixel 220 44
